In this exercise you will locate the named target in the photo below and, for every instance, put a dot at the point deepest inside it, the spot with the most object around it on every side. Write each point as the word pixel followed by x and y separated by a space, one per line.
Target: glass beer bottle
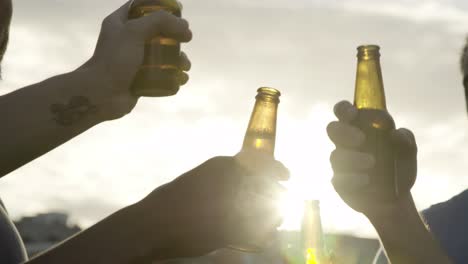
pixel 375 121
pixel 158 75
pixel 312 234
pixel 259 137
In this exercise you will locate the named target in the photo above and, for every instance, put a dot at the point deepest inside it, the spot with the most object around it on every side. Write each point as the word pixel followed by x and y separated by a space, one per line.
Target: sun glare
pixel 292 208
pixel 306 155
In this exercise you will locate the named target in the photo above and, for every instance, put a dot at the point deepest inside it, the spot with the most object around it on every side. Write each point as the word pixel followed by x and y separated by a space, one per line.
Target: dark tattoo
pixel 77 109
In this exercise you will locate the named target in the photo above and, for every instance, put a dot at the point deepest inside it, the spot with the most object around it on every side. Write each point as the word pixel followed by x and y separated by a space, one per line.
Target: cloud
pixel 418 11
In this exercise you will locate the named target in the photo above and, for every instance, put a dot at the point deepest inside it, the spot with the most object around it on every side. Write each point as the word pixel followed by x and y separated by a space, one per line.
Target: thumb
pixel 406 152
pixel 263 164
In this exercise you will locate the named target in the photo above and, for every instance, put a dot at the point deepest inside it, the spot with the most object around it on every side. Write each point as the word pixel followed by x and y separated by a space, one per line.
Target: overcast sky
pixel 306 49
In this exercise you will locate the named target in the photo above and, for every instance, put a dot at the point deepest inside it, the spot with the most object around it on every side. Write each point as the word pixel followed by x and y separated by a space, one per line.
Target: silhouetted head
pixel 5 19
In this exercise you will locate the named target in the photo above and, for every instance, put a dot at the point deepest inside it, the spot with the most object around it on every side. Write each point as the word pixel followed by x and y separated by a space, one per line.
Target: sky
pixel 306 49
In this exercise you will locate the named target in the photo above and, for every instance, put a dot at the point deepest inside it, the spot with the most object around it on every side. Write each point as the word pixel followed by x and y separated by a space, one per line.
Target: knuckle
pixel 284 172
pixel 189 36
pixel 220 159
pixel 345 104
pixel 334 156
pixel 107 22
pixel 349 114
pixel 332 128
pixel 336 181
pixel 184 78
pixel 341 107
pixel 184 23
pixel 407 137
pixel 408 133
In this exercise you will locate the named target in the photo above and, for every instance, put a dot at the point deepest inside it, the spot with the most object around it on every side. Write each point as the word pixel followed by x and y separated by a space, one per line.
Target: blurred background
pixel 305 48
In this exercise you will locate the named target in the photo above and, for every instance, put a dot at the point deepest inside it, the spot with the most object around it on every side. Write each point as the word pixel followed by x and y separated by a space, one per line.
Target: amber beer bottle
pixel 375 121
pixel 158 75
pixel 312 234
pixel 260 137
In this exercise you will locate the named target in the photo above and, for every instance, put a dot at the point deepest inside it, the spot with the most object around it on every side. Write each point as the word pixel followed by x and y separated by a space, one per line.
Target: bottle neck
pixel 369 92
pixel 261 132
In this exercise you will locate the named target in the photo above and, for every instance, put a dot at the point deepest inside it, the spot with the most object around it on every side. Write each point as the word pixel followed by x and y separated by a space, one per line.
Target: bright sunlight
pixel 306 155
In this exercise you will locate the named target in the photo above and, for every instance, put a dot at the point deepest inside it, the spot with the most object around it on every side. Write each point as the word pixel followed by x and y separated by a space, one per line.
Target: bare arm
pixel 117 239
pixel 217 204
pixel 42 116
pixel 406 238
pixel 404 235
pixel 38 118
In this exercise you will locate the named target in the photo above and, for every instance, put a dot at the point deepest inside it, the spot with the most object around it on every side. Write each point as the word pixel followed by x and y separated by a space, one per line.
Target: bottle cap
pixel 368 52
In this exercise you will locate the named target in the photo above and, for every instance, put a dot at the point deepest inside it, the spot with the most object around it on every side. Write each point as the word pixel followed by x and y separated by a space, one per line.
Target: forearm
pixel 121 238
pixel 40 117
pixel 406 238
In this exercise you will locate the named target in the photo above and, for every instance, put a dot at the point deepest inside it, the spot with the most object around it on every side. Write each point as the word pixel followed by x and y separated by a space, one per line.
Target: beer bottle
pixel 260 137
pixel 158 75
pixel 375 121
pixel 312 234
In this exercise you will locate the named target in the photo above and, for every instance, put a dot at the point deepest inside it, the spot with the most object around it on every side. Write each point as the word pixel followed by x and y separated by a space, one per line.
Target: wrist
pixel 405 236
pixel 401 213
pixel 95 88
pixel 110 93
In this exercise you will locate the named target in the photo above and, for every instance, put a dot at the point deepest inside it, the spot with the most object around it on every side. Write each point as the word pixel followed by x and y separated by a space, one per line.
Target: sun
pixel 292 209
pixel 306 154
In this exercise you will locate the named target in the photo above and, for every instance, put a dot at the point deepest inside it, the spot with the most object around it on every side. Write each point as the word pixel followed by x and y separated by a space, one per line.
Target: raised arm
pixel 401 230
pixel 405 237
pixel 217 204
pixel 40 117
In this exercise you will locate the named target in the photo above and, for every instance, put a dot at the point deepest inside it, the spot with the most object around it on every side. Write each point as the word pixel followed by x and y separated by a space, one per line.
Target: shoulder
pixel 12 248
pixel 447 221
pixel 453 210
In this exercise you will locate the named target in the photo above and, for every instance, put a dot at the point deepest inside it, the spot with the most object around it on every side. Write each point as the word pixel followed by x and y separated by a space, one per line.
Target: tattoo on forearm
pixel 78 108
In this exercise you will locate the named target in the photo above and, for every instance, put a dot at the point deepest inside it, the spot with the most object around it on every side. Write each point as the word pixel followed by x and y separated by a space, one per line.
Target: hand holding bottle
pixel 217 204
pixel 397 221
pixel 119 55
pixel 351 167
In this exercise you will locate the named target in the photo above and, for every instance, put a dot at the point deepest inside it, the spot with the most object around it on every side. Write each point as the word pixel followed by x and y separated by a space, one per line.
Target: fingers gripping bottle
pixel 159 74
pixel 375 121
